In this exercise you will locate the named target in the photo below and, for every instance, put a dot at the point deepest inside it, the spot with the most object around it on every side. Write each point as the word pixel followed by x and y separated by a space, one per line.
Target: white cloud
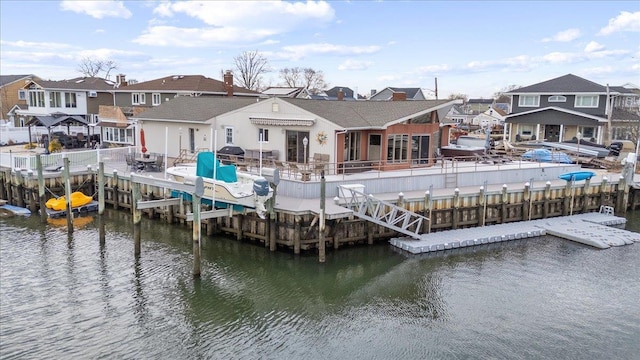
pixel 593 46
pixel 35 45
pixel 234 21
pixel 598 70
pixel 564 36
pixel 355 65
pixel 626 21
pixel 433 69
pixel 561 57
pixel 97 9
pixel 297 52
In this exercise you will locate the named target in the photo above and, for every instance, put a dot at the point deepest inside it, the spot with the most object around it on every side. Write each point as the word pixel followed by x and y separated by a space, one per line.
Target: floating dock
pixel 90 207
pixel 594 229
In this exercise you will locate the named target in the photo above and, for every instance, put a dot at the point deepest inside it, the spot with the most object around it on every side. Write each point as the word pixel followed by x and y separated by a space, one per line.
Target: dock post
pixel 603 188
pixel 623 196
pixel 114 186
pixel 20 188
pixel 196 234
pixel 456 208
pixel 503 212
pixel 567 199
pixel 526 204
pixel 41 190
pixel 429 206
pixel 547 197
pixel 137 217
pixel 240 218
pixel 585 195
pixel 321 247
pixel 272 221
pixel 482 206
pixel 67 192
pixel 296 235
pixel 101 223
pixel 29 191
pixel 336 239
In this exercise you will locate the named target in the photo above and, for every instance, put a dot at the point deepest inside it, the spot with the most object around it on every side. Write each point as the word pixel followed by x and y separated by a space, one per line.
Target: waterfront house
pixel 569 107
pixel 13 97
pixel 352 135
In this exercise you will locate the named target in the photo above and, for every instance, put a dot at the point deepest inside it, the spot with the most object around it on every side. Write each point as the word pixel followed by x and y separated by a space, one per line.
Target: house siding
pixel 569 105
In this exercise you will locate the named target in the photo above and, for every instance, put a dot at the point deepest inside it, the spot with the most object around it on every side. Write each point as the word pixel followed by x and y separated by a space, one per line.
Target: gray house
pixel 564 108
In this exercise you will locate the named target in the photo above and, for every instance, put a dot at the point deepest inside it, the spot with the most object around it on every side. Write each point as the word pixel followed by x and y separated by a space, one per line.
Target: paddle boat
pixel 77 199
pixel 8 210
pixel 577 175
pixel 228 187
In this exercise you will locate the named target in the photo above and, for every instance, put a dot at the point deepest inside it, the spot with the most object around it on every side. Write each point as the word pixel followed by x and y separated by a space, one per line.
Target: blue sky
pixel 473 47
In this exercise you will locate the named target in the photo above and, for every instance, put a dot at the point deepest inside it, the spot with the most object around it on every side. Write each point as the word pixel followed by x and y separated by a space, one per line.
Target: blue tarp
pixel 205 165
pixel 544 155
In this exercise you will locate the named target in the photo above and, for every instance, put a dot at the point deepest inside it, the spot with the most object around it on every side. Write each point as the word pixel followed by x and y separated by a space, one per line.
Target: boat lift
pixel 382 212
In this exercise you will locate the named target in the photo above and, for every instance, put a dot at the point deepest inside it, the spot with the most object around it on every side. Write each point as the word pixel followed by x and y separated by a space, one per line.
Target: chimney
pixel 120 80
pixel 340 95
pixel 399 96
pixel 373 92
pixel 228 83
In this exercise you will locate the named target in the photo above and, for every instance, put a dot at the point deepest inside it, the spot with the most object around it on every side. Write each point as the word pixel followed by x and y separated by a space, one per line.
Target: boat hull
pixel 461 151
pixel 577 175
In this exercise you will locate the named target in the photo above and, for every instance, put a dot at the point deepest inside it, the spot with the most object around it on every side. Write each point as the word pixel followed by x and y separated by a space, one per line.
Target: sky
pixel 476 48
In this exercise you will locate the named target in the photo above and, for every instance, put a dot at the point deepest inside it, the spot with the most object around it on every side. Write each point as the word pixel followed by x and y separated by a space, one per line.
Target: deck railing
pixel 27 162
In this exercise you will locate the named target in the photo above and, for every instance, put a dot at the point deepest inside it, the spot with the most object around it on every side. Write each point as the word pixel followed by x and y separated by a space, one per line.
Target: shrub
pixel 30 146
pixel 55 146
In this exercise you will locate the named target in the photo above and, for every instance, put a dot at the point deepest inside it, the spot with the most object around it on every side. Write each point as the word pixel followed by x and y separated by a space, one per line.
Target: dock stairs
pixel 381 212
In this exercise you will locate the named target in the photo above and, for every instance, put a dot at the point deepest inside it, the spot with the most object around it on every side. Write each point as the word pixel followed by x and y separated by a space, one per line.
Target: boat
pixel 8 210
pixel 78 199
pixel 462 151
pixel 224 184
pixel 577 175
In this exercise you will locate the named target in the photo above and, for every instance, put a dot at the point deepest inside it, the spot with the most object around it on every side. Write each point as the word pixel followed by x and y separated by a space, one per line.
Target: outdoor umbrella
pixel 144 148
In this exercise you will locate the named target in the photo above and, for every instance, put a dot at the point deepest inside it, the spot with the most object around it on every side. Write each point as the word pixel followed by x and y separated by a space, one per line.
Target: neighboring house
pixel 477 106
pixel 490 118
pixel 566 108
pixel 336 93
pixel 13 97
pixel 139 97
pixel 394 93
pixel 394 134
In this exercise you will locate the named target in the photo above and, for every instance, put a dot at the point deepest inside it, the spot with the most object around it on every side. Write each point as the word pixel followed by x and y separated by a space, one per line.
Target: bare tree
pixel 308 78
pixel 91 67
pixel 463 97
pixel 250 65
pixel 500 97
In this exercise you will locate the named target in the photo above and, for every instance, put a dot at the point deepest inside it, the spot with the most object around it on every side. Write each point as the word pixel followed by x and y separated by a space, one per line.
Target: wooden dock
pixel 594 229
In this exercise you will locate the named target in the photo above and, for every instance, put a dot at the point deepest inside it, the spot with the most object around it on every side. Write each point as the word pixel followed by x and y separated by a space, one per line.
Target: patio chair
pixel 159 164
pixel 294 169
pixel 131 161
pixel 318 167
pixel 281 166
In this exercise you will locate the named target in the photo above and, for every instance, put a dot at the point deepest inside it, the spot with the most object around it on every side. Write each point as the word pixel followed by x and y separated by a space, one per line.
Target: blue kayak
pixel 577 175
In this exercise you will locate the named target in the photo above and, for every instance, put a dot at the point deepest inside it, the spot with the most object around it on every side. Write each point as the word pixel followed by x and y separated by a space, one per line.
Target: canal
pixel 68 296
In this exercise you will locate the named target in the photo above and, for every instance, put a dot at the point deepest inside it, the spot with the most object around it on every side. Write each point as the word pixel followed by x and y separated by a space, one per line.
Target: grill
pixel 229 153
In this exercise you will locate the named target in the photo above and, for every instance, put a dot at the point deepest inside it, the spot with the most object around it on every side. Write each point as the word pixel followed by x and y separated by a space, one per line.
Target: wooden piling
pixel 137 217
pixel 296 235
pixel 196 225
pixel 526 203
pixel 547 197
pixel 41 190
pixel 101 185
pixel 67 192
pixel 456 209
pixel 321 227
pixel 482 206
pixel 115 189
pixel 503 210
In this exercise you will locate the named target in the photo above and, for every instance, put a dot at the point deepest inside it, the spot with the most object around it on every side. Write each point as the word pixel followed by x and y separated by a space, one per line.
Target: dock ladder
pixel 382 213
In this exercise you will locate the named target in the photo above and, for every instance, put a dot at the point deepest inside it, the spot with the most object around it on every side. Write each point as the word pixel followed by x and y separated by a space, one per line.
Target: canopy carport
pixel 54 120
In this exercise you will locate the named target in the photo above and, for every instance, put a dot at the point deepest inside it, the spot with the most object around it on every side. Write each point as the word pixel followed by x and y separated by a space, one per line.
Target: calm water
pixel 67 297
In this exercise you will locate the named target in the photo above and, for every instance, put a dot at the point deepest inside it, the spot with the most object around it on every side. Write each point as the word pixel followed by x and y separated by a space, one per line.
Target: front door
pixel 552 133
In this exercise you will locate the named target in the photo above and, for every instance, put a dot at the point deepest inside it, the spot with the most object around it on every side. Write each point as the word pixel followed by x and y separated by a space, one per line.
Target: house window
pixel 586 101
pixel 275 107
pixel 228 135
pixel 397 148
pixel 55 99
pixel 420 149
pixel 22 94
pixel 529 101
pixel 138 98
pixel 36 98
pixel 587 132
pixel 155 99
pixel 116 135
pixel 70 100
pixel 557 98
pixel 263 135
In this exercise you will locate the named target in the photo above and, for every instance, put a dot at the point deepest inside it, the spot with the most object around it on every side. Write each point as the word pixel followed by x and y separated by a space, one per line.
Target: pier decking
pixel 594 229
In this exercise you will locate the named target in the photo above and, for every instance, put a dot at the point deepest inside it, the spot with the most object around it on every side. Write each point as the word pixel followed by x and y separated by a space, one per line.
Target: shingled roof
pixel 8 79
pixel 367 114
pixel 194 109
pixel 186 83
pixel 567 84
pixel 79 83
